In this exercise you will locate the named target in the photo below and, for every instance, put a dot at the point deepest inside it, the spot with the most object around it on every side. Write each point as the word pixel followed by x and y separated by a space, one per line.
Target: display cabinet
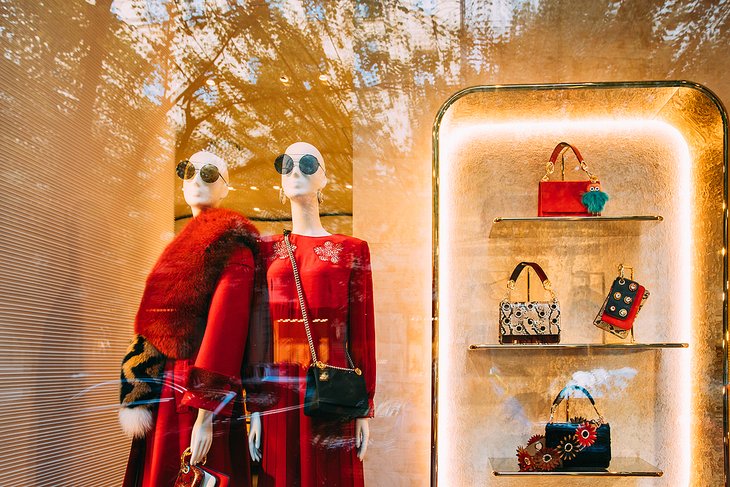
pixel 660 151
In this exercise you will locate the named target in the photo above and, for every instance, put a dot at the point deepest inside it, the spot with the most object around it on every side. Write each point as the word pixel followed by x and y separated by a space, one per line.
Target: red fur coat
pixel 195 309
pixel 174 308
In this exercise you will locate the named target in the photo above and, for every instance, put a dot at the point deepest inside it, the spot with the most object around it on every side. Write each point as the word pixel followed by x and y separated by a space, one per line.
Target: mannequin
pixel 194 316
pixel 341 264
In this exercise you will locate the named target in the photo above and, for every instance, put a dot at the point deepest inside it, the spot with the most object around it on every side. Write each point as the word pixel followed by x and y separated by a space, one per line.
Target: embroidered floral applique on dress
pixel 280 252
pixel 329 252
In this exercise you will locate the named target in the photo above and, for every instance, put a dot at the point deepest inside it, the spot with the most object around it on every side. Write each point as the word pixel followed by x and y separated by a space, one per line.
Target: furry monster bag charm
pixel 594 199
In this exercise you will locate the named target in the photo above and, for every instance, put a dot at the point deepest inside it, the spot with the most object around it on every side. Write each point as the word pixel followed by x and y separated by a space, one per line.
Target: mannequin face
pixel 199 194
pixel 296 184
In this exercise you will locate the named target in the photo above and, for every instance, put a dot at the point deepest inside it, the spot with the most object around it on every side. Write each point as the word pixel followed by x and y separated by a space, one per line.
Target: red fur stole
pixel 174 309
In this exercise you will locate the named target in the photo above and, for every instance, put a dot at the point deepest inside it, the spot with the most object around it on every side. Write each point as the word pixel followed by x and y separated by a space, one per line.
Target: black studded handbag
pixel 529 321
pixel 622 305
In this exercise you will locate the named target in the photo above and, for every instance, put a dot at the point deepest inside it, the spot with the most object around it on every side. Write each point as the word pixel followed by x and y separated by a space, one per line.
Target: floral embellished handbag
pixel 578 442
pixel 529 321
pixel 569 198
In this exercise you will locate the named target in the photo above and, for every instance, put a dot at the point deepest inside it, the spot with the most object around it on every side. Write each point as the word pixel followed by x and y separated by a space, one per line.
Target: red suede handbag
pixel 569 198
pixel 198 475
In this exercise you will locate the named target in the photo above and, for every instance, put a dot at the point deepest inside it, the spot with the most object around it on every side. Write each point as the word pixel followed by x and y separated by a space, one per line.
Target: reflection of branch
pixel 191 122
pixel 200 79
pixel 218 108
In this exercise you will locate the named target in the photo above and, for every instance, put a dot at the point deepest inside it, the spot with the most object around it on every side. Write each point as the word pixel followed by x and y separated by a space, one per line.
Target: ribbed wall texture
pixel 86 206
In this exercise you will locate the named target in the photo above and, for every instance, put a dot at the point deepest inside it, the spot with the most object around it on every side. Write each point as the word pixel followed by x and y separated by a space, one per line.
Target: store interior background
pixel 101 98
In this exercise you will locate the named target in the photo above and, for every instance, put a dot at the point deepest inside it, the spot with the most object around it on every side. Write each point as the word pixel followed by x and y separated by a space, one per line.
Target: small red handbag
pixel 623 303
pixel 568 198
pixel 198 475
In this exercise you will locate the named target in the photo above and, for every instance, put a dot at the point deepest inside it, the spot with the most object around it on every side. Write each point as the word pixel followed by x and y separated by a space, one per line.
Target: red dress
pixel 155 460
pixel 299 451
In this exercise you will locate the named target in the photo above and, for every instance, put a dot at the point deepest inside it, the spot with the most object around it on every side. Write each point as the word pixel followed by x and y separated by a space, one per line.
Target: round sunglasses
pixel 208 173
pixel 308 164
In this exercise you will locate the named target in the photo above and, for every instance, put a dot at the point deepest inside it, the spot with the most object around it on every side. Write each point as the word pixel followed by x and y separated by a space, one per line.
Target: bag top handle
pixel 566 393
pixel 546 284
pixel 561 148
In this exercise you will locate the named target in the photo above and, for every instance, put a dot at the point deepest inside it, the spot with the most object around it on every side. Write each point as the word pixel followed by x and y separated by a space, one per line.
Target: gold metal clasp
pixel 621 269
pixel 549 169
pixel 358 371
pixel 321 365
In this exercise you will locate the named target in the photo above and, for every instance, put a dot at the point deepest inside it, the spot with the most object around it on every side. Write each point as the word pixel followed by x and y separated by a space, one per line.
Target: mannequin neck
pixel 305 216
pixel 197 210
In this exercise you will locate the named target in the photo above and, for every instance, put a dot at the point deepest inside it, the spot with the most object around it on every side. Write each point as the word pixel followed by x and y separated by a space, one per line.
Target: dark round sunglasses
pixel 308 164
pixel 208 173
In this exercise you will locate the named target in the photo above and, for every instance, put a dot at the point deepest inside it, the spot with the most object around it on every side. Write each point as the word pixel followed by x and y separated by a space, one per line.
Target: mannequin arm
pixel 362 436
pixel 254 437
pixel 202 436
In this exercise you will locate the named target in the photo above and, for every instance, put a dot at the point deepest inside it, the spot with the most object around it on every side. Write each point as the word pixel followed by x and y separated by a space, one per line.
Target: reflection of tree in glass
pixel 216 68
pixel 100 96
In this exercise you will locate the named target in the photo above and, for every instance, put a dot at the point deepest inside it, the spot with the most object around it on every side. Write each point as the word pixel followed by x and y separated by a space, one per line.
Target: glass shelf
pixel 620 467
pixel 573 226
pixel 576 346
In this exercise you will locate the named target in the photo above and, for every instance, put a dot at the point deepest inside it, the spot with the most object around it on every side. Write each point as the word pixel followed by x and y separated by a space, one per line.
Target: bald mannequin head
pixel 199 194
pixel 296 184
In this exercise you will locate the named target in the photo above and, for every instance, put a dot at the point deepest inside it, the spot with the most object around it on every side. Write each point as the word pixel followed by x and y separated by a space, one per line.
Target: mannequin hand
pixel 254 437
pixel 202 436
pixel 362 435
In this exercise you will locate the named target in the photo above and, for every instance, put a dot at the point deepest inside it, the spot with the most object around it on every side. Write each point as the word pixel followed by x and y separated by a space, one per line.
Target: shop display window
pixel 660 153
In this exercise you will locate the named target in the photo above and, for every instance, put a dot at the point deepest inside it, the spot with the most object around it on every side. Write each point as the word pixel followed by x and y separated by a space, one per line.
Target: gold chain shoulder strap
pixel 305 316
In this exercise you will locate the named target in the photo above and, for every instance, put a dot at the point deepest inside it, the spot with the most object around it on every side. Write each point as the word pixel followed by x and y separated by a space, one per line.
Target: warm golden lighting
pixel 348 186
pixel 277 188
pixel 324 77
pixel 210 82
pixel 254 188
pixel 284 79
pixel 256 208
pixel 455 146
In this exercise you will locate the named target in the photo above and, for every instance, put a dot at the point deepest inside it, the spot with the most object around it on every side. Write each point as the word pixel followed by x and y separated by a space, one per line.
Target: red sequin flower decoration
pixel 547 460
pixel 526 462
pixel 585 434
pixel 535 444
pixel 568 448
